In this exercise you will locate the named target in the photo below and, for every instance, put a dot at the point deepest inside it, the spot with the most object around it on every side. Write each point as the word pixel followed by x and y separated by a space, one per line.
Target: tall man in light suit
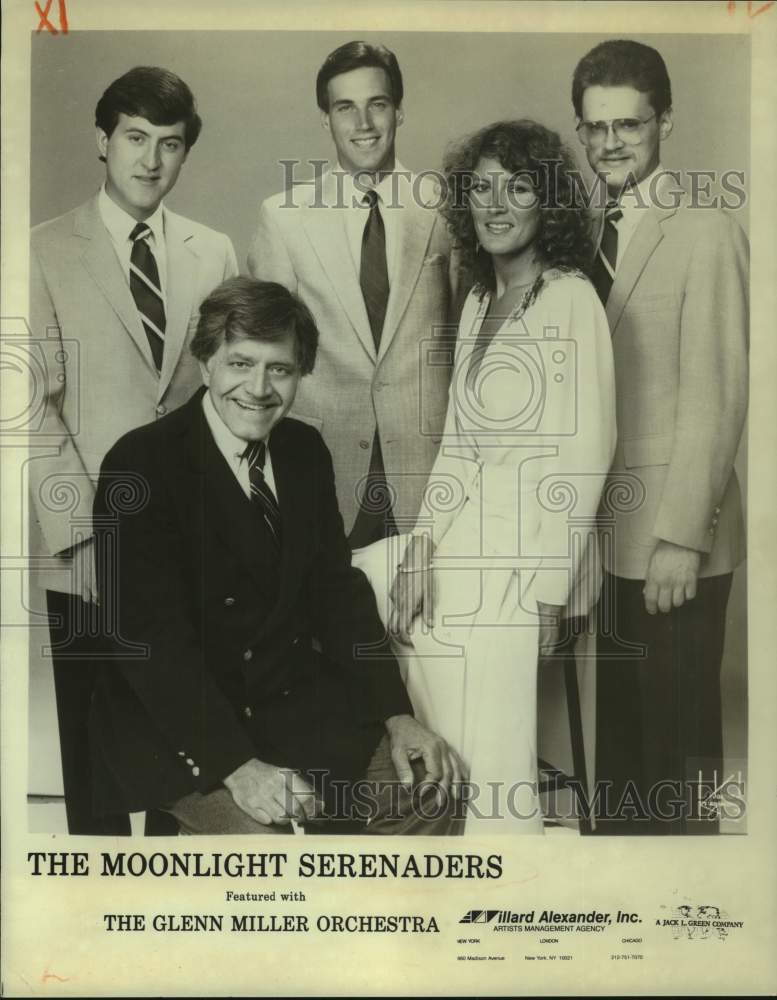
pixel 115 289
pixel 368 254
pixel 673 276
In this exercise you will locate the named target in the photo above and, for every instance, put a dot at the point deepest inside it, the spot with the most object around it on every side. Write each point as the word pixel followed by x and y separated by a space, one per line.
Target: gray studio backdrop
pixel 256 95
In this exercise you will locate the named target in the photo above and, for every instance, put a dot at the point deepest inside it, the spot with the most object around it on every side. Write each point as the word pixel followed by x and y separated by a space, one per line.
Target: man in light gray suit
pixel 673 276
pixel 115 289
pixel 368 254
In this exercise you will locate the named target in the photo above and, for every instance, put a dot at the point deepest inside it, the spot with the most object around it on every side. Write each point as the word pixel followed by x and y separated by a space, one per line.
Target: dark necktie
pixel 375 518
pixel 147 291
pixel 373 270
pixel 603 273
pixel 261 494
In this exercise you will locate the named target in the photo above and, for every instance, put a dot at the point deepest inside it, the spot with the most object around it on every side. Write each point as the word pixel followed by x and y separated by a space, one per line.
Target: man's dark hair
pixel 354 55
pixel 623 63
pixel 152 93
pixel 257 310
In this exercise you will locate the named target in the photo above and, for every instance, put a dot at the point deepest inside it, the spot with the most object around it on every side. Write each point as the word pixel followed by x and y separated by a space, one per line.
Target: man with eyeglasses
pixel 673 277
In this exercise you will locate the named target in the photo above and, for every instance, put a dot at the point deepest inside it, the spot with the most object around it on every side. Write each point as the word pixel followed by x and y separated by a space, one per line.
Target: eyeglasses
pixel 627 130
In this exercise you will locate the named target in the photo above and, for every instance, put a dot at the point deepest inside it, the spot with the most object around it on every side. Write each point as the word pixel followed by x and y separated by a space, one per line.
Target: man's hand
pixel 412 590
pixel 82 564
pixel 550 627
pixel 411 741
pixel 671 577
pixel 272 794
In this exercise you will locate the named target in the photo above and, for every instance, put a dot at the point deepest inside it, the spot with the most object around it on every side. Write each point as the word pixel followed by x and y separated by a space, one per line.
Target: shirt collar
pixel 120 223
pixel 230 446
pixel 386 188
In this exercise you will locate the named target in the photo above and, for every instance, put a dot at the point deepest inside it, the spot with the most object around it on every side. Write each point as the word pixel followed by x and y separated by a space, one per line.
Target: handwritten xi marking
pixel 44 18
pixel 750 12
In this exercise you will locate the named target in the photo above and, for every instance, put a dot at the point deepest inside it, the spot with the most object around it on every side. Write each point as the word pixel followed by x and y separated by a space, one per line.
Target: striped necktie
pixel 603 273
pixel 147 291
pixel 261 494
pixel 373 270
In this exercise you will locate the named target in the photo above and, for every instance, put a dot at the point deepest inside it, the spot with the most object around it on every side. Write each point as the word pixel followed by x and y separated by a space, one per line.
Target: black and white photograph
pixel 380 462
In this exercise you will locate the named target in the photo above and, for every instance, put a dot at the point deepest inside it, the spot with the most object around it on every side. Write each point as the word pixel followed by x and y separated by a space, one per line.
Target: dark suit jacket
pixel 215 662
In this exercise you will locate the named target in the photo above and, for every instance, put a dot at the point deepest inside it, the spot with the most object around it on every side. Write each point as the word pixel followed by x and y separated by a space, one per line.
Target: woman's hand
pixel 412 590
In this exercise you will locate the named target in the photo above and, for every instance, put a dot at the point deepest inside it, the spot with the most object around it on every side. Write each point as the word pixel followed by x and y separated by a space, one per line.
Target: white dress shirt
pixel 120 224
pixel 232 448
pixel 393 193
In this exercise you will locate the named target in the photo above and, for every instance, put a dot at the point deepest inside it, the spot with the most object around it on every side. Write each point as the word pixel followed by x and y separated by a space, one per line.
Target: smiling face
pixel 252 383
pixel 505 209
pixel 614 160
pixel 363 120
pixel 142 163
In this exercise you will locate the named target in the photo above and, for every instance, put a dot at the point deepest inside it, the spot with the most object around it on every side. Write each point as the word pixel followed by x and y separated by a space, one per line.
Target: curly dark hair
pixel 523 146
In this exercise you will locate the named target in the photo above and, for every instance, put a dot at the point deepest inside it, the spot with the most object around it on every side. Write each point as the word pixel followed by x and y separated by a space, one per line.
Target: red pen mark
pixel 44 21
pixel 52 975
pixel 750 12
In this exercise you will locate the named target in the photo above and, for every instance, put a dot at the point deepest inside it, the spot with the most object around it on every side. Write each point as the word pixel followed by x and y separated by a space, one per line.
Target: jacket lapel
pixel 227 512
pixel 182 272
pixel 416 229
pixel 646 238
pixel 100 260
pixel 325 228
pixel 288 472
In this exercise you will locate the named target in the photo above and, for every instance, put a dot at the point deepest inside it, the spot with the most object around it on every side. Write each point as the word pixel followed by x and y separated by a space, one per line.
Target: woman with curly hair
pixel 503 556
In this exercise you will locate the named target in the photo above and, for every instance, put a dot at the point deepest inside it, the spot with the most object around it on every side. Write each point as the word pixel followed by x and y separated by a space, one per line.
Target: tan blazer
pixel 98 379
pixel 403 389
pixel 678 312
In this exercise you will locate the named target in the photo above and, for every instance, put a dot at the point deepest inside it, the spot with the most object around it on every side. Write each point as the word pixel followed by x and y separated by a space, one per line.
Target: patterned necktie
pixel 261 494
pixel 147 291
pixel 603 273
pixel 373 270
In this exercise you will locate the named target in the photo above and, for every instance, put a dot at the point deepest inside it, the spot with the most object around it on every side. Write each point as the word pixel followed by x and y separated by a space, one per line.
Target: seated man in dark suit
pixel 223 561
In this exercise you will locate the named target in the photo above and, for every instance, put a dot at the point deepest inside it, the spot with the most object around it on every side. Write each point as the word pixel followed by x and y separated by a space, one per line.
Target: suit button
pixel 712 531
pixel 295 641
pixel 286 693
pixel 189 761
pixel 161 410
pixel 248 655
pixel 247 712
pixel 228 602
pixel 196 772
pixel 364 444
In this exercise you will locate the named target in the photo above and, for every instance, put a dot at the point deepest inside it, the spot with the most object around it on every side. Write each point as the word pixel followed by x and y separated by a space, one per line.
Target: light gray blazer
pixel 678 312
pixel 402 390
pixel 96 374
